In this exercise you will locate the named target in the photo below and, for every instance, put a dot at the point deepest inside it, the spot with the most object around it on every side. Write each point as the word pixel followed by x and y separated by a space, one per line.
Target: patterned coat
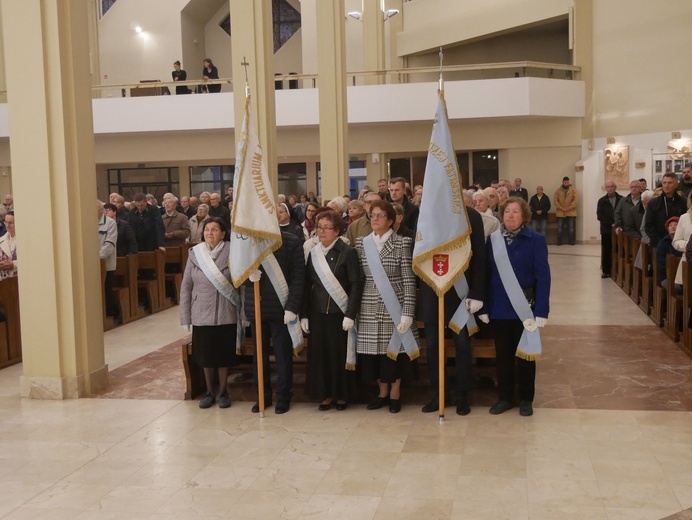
pixel 375 327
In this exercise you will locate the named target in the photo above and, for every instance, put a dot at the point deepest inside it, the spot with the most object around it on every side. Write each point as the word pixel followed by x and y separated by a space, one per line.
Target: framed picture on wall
pixel 659 166
pixel 669 166
pixel 678 165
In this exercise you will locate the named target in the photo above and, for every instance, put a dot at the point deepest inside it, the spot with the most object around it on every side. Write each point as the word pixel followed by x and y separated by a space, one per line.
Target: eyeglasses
pixel 377 215
pixel 324 228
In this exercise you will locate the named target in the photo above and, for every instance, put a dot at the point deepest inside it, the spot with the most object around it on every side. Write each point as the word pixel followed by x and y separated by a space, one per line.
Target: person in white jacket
pixel 108 238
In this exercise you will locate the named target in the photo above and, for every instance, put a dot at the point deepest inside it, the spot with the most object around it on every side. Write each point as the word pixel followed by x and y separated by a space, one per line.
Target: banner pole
pixel 260 357
pixel 441 355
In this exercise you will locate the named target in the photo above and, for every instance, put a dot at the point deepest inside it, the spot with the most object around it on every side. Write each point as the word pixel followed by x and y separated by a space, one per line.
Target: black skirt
pixel 213 346
pixel 379 366
pixel 326 375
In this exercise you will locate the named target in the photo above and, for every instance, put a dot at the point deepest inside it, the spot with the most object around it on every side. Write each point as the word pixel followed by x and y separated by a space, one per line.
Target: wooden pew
pixel 630 254
pixel 125 286
pixel 613 255
pixel 108 322
pixel 176 256
pixel 155 288
pixel 10 330
pixel 674 301
pixel 658 305
pixel 636 292
pixel 686 334
pixel 620 278
pixel 648 281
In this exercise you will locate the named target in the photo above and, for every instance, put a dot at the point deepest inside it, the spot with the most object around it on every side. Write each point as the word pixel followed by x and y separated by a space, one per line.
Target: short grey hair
pixel 205 207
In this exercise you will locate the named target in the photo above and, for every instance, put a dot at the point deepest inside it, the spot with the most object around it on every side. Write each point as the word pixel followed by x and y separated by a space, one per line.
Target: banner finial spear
pixel 441 86
pixel 245 64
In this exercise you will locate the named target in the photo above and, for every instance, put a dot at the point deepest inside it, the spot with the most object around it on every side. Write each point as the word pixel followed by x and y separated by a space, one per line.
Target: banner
pixel 443 247
pixel 255 230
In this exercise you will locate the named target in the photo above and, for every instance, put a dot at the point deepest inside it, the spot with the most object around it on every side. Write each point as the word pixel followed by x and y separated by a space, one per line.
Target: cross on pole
pixel 245 64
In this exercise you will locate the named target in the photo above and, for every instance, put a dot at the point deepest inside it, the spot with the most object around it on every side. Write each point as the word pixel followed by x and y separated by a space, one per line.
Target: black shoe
pixel 267 404
pixel 323 407
pixel 378 403
pixel 394 405
pixel 282 406
pixel 224 400
pixel 525 408
pixel 207 401
pixel 463 407
pixel 340 407
pixel 432 406
pixel 500 407
pixel 605 275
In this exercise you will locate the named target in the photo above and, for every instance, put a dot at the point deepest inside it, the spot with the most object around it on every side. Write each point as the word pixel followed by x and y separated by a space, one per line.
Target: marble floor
pixel 611 438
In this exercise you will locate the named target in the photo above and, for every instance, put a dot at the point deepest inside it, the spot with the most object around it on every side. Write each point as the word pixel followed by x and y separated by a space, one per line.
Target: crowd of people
pixel 8 244
pixel 343 277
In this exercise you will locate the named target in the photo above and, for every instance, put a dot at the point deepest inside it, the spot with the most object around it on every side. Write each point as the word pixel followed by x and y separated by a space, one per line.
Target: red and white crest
pixel 440 264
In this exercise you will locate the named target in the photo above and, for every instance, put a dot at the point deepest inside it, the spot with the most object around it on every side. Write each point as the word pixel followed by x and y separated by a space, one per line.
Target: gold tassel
pixel 392 355
pixel 528 357
pixel 297 351
pixel 414 355
pixel 350 366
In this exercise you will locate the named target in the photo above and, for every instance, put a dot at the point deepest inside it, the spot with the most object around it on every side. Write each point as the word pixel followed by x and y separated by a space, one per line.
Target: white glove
pixel 255 277
pixel 347 324
pixel 289 317
pixel 305 325
pixel 473 305
pixel 188 327
pixel 404 324
pixel 541 322
pixel 484 318
pixel 245 324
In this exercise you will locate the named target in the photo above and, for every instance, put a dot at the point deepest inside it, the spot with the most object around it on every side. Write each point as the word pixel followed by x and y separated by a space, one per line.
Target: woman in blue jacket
pixel 517 302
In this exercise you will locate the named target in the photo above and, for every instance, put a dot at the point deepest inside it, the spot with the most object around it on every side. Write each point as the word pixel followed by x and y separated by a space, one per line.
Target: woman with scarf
pixel 331 301
pixel 517 302
pixel 209 302
pixel 309 222
pixel 387 342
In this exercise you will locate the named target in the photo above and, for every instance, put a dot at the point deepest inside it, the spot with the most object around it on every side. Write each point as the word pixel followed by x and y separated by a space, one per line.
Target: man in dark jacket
pixel 275 318
pixel 397 192
pixel 147 224
pixel 605 213
pixel 127 243
pixel 660 209
pixel 475 277
pixel 540 206
pixel 216 209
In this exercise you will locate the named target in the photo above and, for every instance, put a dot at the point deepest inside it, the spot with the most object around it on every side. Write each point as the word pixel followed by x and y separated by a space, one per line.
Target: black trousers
pixel 507 334
pixel 277 332
pixel 463 359
pixel 606 252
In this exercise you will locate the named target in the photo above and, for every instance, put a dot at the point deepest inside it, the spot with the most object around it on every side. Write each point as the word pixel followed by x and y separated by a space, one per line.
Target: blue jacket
pixel 528 254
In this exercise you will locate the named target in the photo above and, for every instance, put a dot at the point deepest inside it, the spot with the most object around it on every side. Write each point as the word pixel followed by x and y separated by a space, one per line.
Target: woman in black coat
pixel 328 323
pixel 210 72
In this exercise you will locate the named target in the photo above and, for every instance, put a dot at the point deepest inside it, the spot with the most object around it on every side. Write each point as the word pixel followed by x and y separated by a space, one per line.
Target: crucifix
pixel 245 64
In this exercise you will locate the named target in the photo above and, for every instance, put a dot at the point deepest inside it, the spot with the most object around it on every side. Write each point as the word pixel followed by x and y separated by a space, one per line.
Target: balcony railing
pixel 408 75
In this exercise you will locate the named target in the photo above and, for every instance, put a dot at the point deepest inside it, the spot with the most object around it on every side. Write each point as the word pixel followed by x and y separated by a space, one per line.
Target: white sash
pixel 337 293
pixel 278 280
pixel 225 287
pixel 391 302
pixel 462 317
pixel 530 342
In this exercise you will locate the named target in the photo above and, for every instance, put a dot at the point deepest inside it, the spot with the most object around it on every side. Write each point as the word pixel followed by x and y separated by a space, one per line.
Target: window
pixel 130 181
pixel 210 178
pixel 286 22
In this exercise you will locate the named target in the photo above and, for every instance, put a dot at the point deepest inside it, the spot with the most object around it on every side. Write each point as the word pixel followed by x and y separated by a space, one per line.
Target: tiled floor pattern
pixel 167 459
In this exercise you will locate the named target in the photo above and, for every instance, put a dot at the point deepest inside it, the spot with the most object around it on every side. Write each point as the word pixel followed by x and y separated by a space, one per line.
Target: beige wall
pixel 430 24
pixel 641 74
pixel 128 57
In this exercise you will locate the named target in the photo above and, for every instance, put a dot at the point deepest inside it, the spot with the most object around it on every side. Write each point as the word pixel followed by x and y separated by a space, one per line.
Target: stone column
pixel 331 58
pixel 373 40
pixel 54 182
pixel 251 27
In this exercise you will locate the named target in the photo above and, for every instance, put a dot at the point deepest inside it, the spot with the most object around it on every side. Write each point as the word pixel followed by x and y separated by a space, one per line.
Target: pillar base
pixel 64 387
